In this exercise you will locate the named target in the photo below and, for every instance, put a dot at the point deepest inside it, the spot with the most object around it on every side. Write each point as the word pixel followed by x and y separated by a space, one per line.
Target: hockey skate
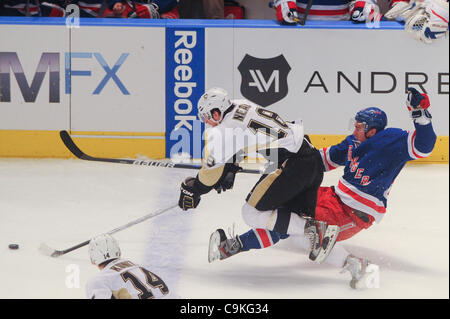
pixel 322 238
pixel 221 247
pixel 364 274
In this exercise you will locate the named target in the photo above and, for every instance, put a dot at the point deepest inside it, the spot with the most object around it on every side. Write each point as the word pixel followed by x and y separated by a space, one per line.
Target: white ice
pixel 65 202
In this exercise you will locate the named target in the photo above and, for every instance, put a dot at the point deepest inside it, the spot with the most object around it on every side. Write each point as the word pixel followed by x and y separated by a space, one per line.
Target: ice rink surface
pixel 65 202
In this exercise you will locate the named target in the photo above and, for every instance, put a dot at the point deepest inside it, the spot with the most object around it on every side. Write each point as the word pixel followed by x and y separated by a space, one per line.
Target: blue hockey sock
pixel 260 238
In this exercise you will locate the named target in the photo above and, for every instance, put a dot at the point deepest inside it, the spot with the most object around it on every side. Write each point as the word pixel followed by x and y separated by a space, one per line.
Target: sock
pixel 280 220
pixel 296 225
pixel 337 256
pixel 260 238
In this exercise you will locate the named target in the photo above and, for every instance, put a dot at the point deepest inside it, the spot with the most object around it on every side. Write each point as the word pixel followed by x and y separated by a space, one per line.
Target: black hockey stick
pixel 301 20
pixel 46 250
pixel 70 144
pixel 305 15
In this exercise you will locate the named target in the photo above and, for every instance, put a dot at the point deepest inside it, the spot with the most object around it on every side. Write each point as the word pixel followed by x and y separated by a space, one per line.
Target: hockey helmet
pixel 103 248
pixel 213 99
pixel 372 117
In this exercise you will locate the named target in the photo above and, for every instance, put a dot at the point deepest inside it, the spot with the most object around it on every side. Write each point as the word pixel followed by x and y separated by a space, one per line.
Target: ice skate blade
pixel 330 237
pixel 214 243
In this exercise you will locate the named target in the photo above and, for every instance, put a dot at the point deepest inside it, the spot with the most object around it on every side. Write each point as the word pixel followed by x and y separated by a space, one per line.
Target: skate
pixel 322 238
pixel 221 247
pixel 364 273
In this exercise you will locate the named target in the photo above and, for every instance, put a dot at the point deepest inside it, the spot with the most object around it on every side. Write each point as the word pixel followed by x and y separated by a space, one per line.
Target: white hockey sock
pixel 296 225
pixel 269 219
pixel 258 219
pixel 337 256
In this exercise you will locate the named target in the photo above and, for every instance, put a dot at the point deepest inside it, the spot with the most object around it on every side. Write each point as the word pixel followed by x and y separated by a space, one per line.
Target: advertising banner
pixel 185 83
pixel 116 81
pixel 325 77
pixel 131 88
pixel 32 76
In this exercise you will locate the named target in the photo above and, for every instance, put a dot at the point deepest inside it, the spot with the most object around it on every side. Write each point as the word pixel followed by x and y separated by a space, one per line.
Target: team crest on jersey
pixel 264 81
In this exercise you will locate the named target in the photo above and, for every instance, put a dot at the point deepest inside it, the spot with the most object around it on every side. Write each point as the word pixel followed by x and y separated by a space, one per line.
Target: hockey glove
pixel 287 12
pixel 227 181
pixel 364 11
pixel 145 11
pixel 189 195
pixel 401 10
pixel 430 23
pixel 417 104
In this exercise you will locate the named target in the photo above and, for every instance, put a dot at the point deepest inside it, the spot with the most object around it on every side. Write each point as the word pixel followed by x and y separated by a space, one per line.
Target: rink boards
pixel 128 88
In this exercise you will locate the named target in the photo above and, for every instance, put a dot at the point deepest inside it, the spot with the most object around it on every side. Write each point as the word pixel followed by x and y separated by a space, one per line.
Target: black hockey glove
pixel 227 181
pixel 189 195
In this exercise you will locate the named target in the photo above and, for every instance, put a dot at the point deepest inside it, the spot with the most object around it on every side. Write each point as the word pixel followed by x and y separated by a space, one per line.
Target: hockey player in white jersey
pixel 120 278
pixel 288 188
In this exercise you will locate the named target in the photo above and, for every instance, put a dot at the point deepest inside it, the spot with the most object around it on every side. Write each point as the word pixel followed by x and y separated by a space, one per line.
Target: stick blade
pixel 67 140
pixel 48 251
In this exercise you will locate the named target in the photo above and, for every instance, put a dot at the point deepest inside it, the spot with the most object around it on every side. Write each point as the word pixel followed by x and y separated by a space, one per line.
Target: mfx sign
pixel 50 61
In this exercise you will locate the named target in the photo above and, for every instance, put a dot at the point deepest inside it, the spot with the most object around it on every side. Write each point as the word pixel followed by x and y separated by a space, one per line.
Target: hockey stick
pixel 305 15
pixel 48 251
pixel 302 20
pixel 71 146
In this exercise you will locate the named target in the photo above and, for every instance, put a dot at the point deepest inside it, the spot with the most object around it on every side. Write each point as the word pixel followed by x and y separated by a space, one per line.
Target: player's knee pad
pixel 249 213
pixel 256 218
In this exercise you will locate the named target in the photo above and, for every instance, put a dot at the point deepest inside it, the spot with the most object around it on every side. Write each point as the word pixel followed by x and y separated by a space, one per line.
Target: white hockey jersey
pixel 247 128
pixel 122 279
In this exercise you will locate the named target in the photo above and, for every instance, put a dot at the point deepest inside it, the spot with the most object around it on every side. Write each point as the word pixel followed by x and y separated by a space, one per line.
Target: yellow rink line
pixel 440 153
pixel 43 144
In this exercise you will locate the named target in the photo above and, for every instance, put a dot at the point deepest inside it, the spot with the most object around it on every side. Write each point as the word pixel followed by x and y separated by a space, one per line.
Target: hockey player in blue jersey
pixel 372 157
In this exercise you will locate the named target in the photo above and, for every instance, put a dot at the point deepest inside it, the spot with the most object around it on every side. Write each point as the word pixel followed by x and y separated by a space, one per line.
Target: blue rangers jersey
pixel 372 166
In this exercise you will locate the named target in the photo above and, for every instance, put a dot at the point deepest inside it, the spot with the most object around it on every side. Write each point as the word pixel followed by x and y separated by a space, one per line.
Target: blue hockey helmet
pixel 372 117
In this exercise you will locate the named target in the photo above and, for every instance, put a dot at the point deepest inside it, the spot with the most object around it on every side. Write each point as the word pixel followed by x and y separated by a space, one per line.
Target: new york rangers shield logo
pixel 264 81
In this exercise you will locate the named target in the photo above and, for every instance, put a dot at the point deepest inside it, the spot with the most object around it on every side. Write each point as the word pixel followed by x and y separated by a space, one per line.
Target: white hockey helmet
pixel 103 248
pixel 214 98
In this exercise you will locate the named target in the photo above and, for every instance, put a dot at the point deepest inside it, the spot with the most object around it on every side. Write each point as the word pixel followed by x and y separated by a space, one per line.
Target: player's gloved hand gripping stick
pixel 287 11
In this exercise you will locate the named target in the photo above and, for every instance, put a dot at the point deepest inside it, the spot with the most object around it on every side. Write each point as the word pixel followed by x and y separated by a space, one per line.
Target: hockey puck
pixel 13 246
